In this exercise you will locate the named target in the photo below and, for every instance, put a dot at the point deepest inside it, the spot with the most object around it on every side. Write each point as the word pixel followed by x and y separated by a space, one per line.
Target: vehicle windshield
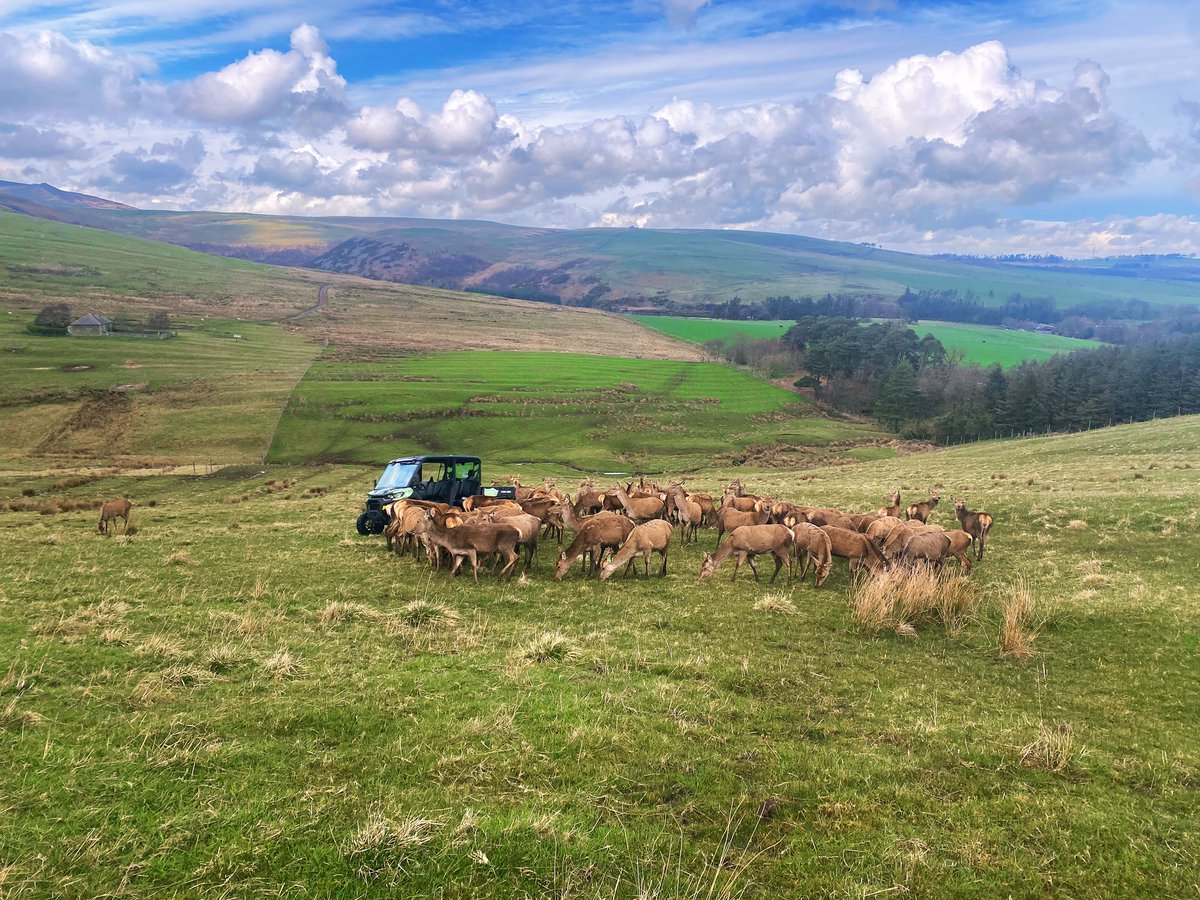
pixel 397 475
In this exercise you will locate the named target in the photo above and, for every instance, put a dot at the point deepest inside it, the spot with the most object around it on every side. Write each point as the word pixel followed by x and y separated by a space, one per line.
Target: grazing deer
pixel 747 542
pixel 690 513
pixel 812 548
pixel 853 547
pixel 650 537
pixel 822 516
pixel 861 523
pixel 114 509
pixel 879 530
pixel 922 511
pixel 976 524
pixel 468 541
pixel 640 509
pixel 730 519
pixel 928 547
pixel 893 509
pixel 598 534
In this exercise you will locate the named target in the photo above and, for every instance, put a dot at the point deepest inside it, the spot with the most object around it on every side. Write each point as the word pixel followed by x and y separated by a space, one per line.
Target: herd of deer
pixel 634 523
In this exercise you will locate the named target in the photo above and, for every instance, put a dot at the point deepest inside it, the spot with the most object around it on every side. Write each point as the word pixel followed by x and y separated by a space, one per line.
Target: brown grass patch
pixel 1053 749
pixel 900 599
pixel 777 603
pixel 158 685
pixel 283 664
pixel 1018 627
pixel 344 611
pixel 383 847
pixel 179 558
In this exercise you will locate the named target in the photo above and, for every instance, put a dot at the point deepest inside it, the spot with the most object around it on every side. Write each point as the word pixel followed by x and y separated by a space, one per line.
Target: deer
pixel 892 546
pixel 822 516
pixel 747 542
pixel 960 542
pixel 976 524
pixel 879 530
pixel 922 511
pixel 598 534
pixel 481 501
pixel 928 547
pixel 730 519
pixel 640 509
pixel 812 548
pixel 649 537
pixel 789 514
pixel 733 497
pixel 862 522
pixel 112 510
pixel 467 541
pixel 690 514
pixel 853 547
pixel 893 509
pixel 528 526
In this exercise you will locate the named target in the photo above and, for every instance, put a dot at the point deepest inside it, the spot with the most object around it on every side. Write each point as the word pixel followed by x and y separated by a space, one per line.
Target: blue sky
pixel 973 127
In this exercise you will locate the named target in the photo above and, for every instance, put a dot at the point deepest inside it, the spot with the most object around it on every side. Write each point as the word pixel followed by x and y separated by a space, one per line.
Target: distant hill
pixel 606 267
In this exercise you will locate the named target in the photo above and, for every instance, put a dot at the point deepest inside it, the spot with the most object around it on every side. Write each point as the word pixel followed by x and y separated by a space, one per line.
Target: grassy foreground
pixel 244 698
pixel 587 413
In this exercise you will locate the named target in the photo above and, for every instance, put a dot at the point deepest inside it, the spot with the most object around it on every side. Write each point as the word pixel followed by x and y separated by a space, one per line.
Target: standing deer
pixel 893 508
pixel 745 543
pixel 639 509
pixel 976 524
pixel 812 548
pixel 690 513
pixel 114 509
pixel 922 511
pixel 645 539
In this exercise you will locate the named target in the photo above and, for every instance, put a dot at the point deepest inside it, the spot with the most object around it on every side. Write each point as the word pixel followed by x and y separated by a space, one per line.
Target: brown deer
pixel 893 509
pixel 747 542
pixel 822 516
pixel 976 524
pixel 862 522
pixel 879 530
pixel 640 509
pixel 960 542
pixel 892 547
pixel 481 501
pixel 789 514
pixel 734 498
pixel 812 548
pixel 729 518
pixel 690 514
pixel 112 510
pixel 922 511
pixel 929 547
pixel 468 541
pixel 853 547
pixel 598 534
pixel 645 539
pixel 528 526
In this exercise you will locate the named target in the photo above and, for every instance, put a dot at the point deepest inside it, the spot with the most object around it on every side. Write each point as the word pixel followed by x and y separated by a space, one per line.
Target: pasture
pixel 981 345
pixel 569 411
pixel 244 698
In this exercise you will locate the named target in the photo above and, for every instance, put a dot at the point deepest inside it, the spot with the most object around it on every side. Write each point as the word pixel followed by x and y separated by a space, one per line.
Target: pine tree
pixel 899 400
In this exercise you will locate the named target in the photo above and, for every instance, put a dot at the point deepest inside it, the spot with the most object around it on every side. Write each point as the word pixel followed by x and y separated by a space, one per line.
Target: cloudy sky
pixel 1070 126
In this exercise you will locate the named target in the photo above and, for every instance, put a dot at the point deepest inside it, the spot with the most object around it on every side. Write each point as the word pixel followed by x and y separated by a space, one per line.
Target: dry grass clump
pixel 777 603
pixel 549 646
pixel 274 487
pixel 224 658
pixel 382 847
pixel 1078 524
pixel 157 645
pixel 179 558
pixel 427 614
pixel 13 719
pixel 901 599
pixel 283 664
pixel 104 613
pixel 158 685
pixel 346 611
pixel 1018 627
pixel 1053 749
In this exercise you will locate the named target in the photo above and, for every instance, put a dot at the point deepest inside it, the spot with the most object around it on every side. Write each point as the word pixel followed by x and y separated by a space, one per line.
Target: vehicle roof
pixel 439 459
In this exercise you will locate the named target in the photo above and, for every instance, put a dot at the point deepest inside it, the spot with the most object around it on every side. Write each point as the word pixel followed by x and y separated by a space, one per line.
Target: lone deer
pixel 747 542
pixel 114 509
pixel 976 524
pixel 921 511
pixel 647 538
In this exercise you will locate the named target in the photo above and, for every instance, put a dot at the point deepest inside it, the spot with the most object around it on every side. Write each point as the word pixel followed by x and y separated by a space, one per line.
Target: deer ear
pixel 562 554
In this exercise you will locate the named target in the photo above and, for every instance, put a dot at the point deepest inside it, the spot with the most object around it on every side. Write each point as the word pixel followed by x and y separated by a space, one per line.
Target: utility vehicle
pixel 448 479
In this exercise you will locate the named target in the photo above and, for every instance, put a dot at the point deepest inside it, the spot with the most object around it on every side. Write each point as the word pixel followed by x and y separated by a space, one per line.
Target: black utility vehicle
pixel 448 479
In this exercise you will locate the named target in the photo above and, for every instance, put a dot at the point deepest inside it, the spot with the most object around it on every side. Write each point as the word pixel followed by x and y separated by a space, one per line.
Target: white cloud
pixel 682 13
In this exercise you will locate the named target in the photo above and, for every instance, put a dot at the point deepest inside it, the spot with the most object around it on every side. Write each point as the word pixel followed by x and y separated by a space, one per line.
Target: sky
pixel 1061 126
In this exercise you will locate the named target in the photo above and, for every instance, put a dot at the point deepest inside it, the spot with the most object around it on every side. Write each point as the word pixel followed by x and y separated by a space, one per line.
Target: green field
pixel 578 412
pixel 245 698
pixel 981 345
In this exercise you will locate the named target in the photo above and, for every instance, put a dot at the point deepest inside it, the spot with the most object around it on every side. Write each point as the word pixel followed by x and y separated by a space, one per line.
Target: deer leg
pixel 737 564
pixel 474 565
pixel 663 571
pixel 753 567
pixel 778 566
pixel 646 564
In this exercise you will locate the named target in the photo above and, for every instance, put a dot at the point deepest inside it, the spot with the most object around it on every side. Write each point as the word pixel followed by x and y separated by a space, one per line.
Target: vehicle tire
pixel 361 525
pixel 377 522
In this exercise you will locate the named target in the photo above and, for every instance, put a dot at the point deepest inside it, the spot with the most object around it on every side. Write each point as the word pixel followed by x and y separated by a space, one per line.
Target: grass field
pixel 245 698
pixel 982 345
pixel 581 412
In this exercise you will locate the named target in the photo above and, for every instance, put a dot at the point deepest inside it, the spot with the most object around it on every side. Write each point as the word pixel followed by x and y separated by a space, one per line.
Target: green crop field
pixel 575 411
pixel 245 698
pixel 982 345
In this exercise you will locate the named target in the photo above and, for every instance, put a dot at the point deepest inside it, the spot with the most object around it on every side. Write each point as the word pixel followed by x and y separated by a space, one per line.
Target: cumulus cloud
pixel 467 124
pixel 29 142
pixel 301 84
pixel 165 166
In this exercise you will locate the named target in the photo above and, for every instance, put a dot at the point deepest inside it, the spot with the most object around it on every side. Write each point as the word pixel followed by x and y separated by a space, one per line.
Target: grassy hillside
pixel 700 330
pixel 245 696
pixel 580 412
pixel 688 265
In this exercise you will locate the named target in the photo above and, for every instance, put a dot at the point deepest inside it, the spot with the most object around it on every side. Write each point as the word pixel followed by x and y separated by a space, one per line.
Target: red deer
pixel 789 514
pixel 468 541
pixel 690 514
pixel 928 547
pixel 529 527
pixel 747 542
pixel 650 537
pixel 481 501
pixel 879 530
pixel 114 509
pixel 893 509
pixel 733 497
pixel 729 519
pixel 892 547
pixel 822 516
pixel 854 547
pixel 812 547
pixel 862 522
pixel 598 534
pixel 640 509
pixel 976 524
pixel 960 541
pixel 922 511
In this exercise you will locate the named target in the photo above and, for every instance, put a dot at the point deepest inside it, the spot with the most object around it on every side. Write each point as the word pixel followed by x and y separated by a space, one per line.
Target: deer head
pixel 707 567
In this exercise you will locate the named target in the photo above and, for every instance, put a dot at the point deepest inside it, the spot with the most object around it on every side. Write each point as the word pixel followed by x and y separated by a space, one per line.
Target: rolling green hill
pixel 244 696
pixel 612 266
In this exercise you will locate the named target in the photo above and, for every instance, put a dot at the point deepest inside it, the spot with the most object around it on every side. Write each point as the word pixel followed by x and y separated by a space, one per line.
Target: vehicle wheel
pixel 377 522
pixel 361 525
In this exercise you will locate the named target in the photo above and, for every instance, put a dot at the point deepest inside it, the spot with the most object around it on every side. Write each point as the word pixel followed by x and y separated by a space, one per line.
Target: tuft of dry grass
pixel 347 611
pixel 777 603
pixel 427 614
pixel 283 664
pixel 224 658
pixel 104 613
pixel 158 685
pixel 1018 627
pixel 901 599
pixel 1053 749
pixel 549 646
pixel 382 846
pixel 13 719
pixel 179 558
pixel 157 645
